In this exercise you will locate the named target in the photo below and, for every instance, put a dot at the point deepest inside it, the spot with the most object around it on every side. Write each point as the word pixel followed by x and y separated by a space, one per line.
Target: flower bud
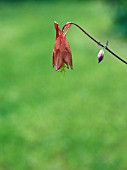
pixel 100 55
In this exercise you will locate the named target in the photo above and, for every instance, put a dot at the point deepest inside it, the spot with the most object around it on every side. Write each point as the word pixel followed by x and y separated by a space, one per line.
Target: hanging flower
pixel 61 56
pixel 100 55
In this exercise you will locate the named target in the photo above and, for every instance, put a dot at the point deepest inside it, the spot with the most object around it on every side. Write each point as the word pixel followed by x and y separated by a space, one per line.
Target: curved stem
pixel 97 42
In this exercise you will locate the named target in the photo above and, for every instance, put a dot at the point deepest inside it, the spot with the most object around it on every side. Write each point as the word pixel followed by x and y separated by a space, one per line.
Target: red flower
pixel 62 55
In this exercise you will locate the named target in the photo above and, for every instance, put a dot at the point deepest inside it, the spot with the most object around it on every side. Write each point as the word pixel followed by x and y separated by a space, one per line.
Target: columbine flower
pixel 62 55
pixel 100 55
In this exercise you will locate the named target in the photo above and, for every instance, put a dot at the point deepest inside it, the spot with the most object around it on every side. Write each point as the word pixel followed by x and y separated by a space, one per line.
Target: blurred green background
pixel 54 121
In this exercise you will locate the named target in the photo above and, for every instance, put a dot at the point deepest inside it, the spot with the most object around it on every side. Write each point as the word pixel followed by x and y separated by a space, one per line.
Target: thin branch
pixel 97 42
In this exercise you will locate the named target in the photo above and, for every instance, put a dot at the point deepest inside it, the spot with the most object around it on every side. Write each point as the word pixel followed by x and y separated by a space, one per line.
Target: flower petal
pixel 66 28
pixel 59 60
pixel 58 30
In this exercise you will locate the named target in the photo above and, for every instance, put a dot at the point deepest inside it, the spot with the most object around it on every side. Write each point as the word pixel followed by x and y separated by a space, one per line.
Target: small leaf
pixel 107 44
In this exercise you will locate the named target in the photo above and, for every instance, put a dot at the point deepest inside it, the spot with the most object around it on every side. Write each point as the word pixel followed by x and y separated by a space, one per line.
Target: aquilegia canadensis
pixel 62 56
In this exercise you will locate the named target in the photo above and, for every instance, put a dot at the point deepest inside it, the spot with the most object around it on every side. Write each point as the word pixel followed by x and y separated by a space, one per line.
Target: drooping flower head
pixel 61 56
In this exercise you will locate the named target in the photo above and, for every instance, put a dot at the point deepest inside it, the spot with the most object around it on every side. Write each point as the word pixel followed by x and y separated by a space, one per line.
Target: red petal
pixel 67 27
pixel 59 61
pixel 58 30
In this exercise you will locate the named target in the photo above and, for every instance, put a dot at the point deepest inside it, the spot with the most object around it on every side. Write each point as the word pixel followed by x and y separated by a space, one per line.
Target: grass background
pixel 51 121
